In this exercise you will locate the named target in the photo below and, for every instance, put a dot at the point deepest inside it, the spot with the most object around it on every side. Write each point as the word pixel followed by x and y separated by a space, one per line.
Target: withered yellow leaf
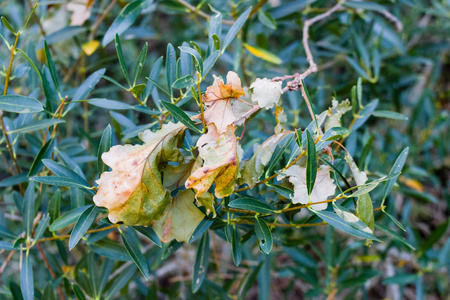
pixel 133 191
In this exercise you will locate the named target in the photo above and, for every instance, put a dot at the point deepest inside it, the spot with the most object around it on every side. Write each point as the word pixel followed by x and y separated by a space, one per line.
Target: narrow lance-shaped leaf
pixel 397 167
pixel 122 62
pixel 140 63
pixel 264 235
pixel 28 209
pixel 20 104
pixel 135 253
pixel 104 146
pixel 201 263
pixel 235 29
pixel 26 278
pixel 180 116
pixel 124 20
pixel 51 66
pixel 84 222
pixel 311 163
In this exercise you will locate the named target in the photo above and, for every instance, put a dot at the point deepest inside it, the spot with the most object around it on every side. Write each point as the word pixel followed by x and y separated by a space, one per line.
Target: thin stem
pixel 2 124
pixel 202 109
pixel 47 264
pixel 63 237
pixel 200 13
pixel 100 19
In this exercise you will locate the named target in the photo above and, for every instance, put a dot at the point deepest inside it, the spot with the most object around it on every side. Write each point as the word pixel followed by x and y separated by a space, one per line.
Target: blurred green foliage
pixel 67 54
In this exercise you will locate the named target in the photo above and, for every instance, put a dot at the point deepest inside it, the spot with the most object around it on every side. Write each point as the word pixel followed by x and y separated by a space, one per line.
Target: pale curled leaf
pixel 220 155
pixel 266 92
pixel 364 207
pixel 323 188
pixel 218 100
pixel 180 218
pixel 335 113
pixel 253 168
pixel 133 191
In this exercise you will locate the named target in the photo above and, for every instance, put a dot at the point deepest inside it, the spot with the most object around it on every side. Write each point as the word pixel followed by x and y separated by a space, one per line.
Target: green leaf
pixel 150 233
pixel 200 229
pixel 278 153
pixel 153 76
pixel 36 125
pixel 252 205
pixel 311 163
pixel 63 181
pixel 49 291
pixel 267 20
pixel 435 236
pixel 397 222
pixel 45 152
pixel 7 25
pixel 339 223
pixel 110 104
pixel 119 282
pixel 236 247
pixel 364 210
pixel 264 235
pixel 330 135
pixel 350 218
pixel 282 190
pixel 13 180
pixel 63 171
pixel 124 20
pixel 51 66
pixel 135 253
pixel 5 233
pixel 41 227
pixel 237 25
pixel 121 58
pixel 180 115
pixel 201 263
pixel 138 89
pixel 394 234
pixel 84 222
pixel 183 82
pixel 26 278
pixel 110 249
pixel 196 55
pixel 54 205
pixel 397 167
pixel 140 63
pixel 20 104
pixel 6 246
pixel 68 218
pixel 104 146
pixel 78 292
pixel 171 67
pixel 389 114
pixel 312 109
pixel 28 209
pixel 62 35
pixel 86 87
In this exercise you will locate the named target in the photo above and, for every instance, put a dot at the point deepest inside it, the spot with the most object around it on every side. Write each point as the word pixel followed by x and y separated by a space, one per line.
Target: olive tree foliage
pixel 222 149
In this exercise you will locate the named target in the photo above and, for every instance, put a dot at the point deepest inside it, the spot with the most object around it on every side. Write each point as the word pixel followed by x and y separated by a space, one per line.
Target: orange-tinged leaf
pixel 219 153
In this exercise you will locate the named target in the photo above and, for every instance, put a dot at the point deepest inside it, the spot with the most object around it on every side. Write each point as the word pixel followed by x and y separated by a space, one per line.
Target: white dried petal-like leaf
pixel 360 176
pixel 266 93
pixel 323 187
pixel 335 113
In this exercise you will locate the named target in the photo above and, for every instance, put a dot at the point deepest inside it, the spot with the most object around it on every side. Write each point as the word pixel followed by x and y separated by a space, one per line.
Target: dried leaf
pixel 219 152
pixel 281 118
pixel 81 11
pixel 323 186
pixel 335 113
pixel 254 167
pixel 180 218
pixel 218 100
pixel 266 93
pixel 133 191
